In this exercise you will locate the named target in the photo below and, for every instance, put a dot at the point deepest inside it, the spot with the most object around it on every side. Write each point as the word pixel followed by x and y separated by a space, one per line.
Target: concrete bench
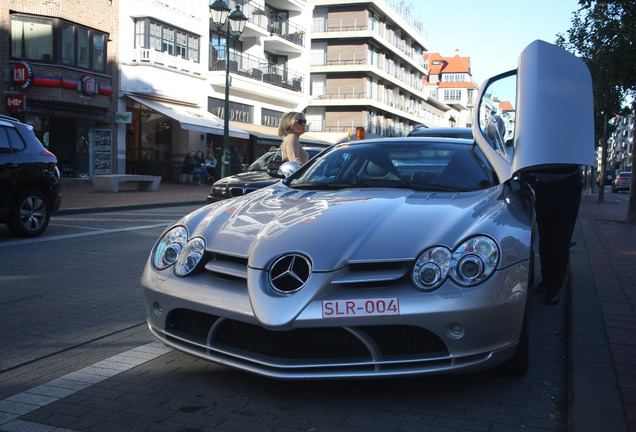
pixel 110 182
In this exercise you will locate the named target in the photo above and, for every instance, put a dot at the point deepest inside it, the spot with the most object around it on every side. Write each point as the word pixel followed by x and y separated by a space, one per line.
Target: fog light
pixel 456 330
pixel 157 309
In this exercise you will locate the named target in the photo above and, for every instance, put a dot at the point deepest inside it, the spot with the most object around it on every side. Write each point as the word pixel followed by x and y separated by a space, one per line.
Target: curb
pixel 83 210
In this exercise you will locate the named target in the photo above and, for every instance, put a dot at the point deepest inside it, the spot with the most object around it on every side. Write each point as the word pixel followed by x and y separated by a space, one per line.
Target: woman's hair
pixel 287 122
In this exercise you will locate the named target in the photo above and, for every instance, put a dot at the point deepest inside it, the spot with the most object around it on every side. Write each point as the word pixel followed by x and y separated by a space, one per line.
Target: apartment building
pixel 620 145
pixel 450 84
pixel 59 63
pixel 173 79
pixel 368 71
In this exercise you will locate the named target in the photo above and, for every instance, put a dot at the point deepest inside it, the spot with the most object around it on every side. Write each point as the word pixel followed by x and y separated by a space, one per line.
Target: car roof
pixel 448 132
pixel 411 139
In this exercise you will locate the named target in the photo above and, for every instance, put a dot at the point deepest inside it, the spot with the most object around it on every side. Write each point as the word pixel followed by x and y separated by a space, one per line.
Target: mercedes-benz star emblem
pixel 290 273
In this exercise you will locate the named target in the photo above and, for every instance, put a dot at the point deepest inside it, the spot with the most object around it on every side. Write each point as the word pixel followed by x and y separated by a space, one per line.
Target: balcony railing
pixel 152 56
pixel 320 25
pixel 256 68
pixel 275 24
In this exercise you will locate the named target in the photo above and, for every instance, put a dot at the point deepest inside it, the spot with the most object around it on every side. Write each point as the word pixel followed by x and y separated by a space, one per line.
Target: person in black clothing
pixel 192 166
pixel 557 199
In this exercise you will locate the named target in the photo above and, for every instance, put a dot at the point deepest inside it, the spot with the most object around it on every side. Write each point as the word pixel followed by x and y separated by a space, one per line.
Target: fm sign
pixel 23 74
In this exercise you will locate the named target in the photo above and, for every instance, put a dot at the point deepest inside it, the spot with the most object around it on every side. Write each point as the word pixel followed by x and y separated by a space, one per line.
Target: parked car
pixel 258 175
pixel 609 177
pixel 622 181
pixel 449 132
pixel 380 257
pixel 29 180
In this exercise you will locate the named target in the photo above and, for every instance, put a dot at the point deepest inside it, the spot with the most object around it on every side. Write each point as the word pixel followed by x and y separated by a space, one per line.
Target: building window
pixel 150 34
pixel 31 38
pixel 34 38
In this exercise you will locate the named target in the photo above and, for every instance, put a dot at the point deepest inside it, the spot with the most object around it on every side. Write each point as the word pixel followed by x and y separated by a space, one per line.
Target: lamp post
pixel 220 14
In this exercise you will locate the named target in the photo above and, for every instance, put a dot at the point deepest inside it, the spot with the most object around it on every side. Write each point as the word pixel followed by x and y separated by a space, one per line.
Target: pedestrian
pixel 192 166
pixel 557 198
pixel 291 127
pixel 210 166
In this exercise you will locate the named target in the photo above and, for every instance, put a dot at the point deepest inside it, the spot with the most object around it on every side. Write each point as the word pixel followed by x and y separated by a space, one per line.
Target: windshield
pixel 262 162
pixel 416 164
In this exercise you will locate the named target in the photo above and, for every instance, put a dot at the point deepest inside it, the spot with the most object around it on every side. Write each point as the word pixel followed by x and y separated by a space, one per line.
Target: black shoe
pixel 541 288
pixel 551 298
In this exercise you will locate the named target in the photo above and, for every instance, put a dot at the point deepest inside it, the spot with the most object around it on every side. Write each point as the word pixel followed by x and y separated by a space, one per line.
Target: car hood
pixel 336 228
pixel 248 177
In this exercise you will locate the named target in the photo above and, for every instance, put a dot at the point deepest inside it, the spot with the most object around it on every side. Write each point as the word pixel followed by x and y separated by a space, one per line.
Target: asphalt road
pixel 76 355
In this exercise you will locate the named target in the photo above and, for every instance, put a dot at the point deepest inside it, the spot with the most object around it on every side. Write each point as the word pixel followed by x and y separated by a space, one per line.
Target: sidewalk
pixel 610 246
pixel 80 196
pixel 602 311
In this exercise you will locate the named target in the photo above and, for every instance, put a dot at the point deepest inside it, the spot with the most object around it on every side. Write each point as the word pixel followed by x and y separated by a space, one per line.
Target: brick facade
pixel 53 109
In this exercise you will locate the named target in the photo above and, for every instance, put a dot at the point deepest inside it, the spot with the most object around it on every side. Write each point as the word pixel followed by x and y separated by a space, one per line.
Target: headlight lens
pixel 190 257
pixel 470 264
pixel 431 268
pixel 169 247
pixel 474 261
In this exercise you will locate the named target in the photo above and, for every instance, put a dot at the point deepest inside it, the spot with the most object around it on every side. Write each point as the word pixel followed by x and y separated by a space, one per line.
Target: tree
pixel 603 34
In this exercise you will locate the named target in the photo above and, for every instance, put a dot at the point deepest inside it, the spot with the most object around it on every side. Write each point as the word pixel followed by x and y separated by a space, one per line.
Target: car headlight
pixel 474 261
pixel 190 257
pixel 169 247
pixel 431 268
pixel 469 264
pixel 174 248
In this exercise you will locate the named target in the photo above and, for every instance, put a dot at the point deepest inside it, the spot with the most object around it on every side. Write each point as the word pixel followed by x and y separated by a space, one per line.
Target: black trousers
pixel 557 206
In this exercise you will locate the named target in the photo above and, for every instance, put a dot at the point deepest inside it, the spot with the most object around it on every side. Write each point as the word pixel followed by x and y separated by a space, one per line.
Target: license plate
pixel 347 308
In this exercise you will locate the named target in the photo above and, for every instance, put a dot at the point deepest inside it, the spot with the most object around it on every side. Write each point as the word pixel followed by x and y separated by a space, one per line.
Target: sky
pixel 491 32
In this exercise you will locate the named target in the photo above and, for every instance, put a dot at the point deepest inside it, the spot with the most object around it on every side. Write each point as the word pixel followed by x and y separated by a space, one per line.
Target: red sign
pixel 15 102
pixel 23 74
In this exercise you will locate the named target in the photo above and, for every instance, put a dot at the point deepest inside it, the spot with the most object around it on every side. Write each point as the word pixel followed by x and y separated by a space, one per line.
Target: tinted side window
pixel 16 143
pixel 4 141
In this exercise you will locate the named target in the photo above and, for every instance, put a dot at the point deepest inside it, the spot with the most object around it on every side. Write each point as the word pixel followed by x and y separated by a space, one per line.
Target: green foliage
pixel 603 34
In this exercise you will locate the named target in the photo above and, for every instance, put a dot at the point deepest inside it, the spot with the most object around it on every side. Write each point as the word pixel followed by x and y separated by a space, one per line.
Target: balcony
pixel 152 57
pixel 256 68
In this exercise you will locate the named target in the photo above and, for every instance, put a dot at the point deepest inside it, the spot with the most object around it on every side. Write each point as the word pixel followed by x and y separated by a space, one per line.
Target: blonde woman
pixel 291 127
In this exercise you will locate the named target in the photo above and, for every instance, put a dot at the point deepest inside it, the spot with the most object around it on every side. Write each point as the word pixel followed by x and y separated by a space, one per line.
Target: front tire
pixel 30 215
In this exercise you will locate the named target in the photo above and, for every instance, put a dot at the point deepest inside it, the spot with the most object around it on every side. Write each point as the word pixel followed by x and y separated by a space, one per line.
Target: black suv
pixel 29 180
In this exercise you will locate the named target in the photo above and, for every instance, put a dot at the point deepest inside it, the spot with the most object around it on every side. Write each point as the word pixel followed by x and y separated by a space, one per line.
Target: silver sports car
pixel 381 257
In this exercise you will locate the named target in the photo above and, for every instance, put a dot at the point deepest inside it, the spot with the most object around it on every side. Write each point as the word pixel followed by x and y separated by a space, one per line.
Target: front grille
pixel 311 346
pixel 240 191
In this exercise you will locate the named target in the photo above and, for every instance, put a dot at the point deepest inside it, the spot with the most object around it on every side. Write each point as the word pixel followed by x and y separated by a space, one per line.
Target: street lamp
pixel 220 14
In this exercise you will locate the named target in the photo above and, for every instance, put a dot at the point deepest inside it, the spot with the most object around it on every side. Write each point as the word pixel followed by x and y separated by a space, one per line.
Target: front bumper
pixel 450 330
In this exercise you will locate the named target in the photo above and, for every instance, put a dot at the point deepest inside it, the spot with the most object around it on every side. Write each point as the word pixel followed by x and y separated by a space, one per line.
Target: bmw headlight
pixel 469 264
pixel 169 247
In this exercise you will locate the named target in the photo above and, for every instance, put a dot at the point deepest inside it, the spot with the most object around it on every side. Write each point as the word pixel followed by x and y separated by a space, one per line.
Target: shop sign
pixel 88 84
pixel 15 102
pixel 123 117
pixel 23 74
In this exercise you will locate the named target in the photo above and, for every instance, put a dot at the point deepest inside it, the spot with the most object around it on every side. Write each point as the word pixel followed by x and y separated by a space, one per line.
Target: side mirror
pixel 288 168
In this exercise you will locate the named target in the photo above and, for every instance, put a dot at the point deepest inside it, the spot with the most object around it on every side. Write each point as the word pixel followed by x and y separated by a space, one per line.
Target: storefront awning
pixel 269 132
pixel 191 118
pixel 258 130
